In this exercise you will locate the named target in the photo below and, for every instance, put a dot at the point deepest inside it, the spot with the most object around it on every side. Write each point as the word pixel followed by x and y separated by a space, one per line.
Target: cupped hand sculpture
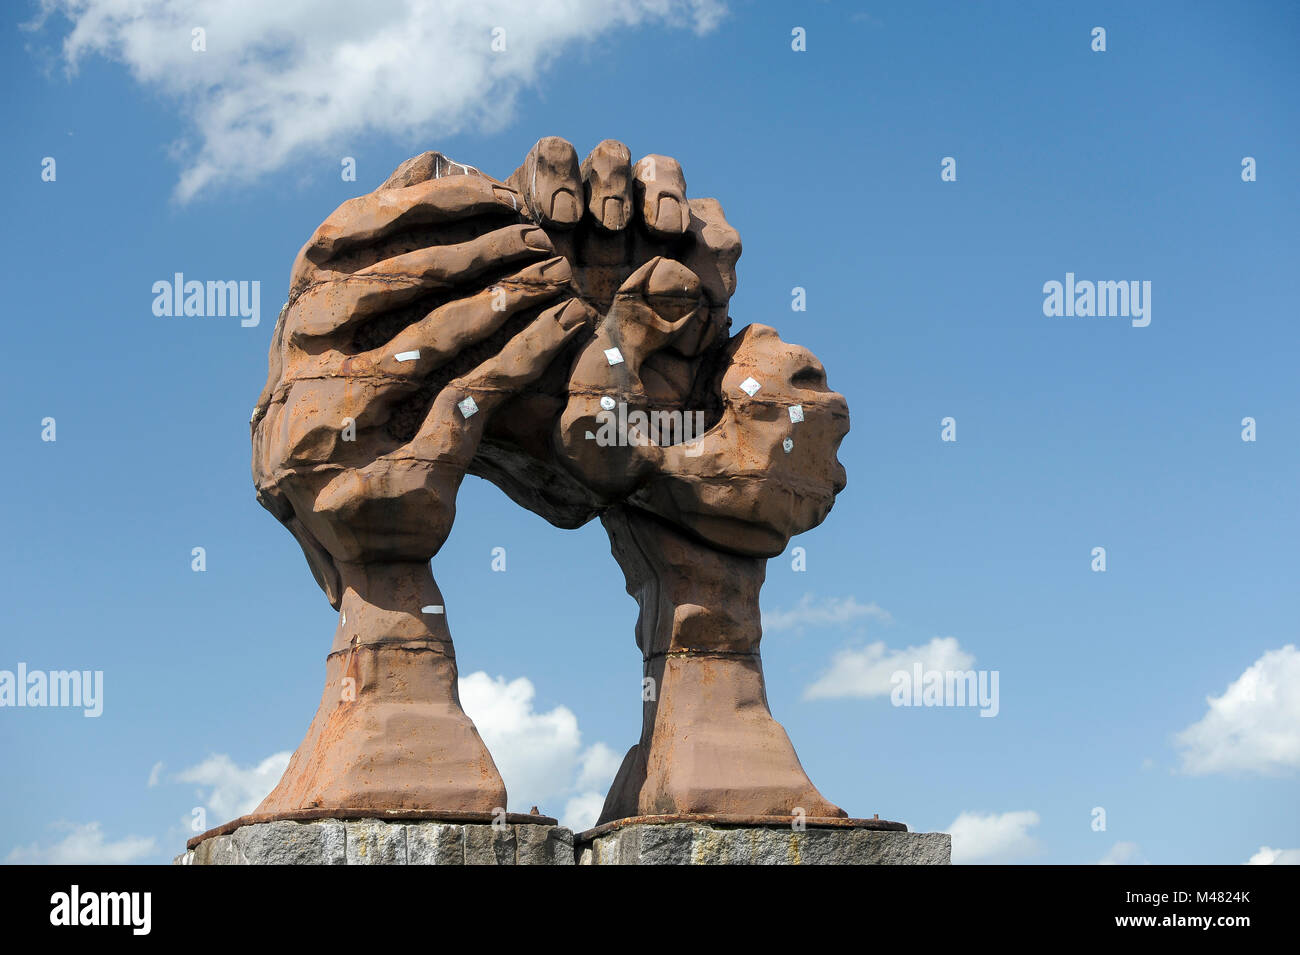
pixel 414 313
pixel 450 323
pixel 693 530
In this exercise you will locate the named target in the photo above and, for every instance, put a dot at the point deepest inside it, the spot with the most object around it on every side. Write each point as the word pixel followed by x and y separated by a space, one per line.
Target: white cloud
pixel 284 80
pixel 234 790
pixel 539 754
pixel 84 845
pixel 599 764
pixel 826 611
pixel 993 837
pixel 155 774
pixel 1254 726
pixel 866 672
pixel 1123 853
pixel 1267 856
pixel 582 811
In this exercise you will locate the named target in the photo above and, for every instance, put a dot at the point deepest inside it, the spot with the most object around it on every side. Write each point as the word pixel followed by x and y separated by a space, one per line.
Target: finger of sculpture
pixel 306 430
pixel 607 183
pixel 459 264
pixel 330 307
pixel 443 333
pixel 379 215
pixel 651 310
pixel 450 329
pixel 660 188
pixel 551 183
pixel 427 165
pixel 713 254
pixel 454 425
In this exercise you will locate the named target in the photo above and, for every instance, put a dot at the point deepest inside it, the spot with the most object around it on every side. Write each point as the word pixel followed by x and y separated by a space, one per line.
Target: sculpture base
pixel 721 840
pixel 415 838
pixel 371 841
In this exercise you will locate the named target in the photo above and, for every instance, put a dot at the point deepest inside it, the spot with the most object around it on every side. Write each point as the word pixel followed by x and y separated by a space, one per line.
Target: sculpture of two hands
pixel 564 334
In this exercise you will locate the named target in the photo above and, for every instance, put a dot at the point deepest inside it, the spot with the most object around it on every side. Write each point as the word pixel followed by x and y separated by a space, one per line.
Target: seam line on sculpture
pixel 411 646
pixel 700 653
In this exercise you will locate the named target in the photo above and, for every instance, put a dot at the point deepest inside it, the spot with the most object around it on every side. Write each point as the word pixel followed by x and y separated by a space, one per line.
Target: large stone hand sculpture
pixel 692 516
pixel 414 313
pixel 448 324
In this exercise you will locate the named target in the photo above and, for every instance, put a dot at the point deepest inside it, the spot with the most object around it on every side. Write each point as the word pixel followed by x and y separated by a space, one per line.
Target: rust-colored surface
pixel 540 331
pixel 724 820
pixel 402 742
pixel 386 815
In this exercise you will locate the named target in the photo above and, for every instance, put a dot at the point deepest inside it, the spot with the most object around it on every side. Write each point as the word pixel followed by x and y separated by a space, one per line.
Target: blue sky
pixel 924 300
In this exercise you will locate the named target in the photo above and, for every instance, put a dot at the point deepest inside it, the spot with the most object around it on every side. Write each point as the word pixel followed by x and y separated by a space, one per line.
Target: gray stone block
pixel 381 842
pixel 435 843
pixel 704 844
pixel 658 845
pixel 490 845
pixel 221 850
pixel 543 845
pixel 374 842
pixel 289 843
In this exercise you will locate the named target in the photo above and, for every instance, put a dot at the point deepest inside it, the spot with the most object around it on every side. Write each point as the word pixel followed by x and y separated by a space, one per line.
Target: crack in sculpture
pixel 450 323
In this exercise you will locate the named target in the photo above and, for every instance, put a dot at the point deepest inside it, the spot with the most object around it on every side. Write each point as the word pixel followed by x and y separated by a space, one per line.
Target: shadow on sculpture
pixel 564 334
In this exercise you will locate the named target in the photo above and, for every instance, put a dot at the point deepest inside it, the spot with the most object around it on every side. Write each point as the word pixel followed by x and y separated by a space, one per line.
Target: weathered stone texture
pixel 376 842
pixel 702 844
